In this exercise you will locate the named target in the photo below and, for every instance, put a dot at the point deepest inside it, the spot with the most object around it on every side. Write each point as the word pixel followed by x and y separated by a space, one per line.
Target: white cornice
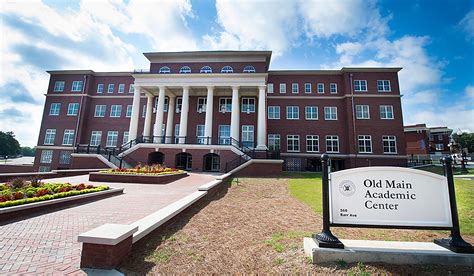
pixel 201 80
pixel 333 97
pixel 209 56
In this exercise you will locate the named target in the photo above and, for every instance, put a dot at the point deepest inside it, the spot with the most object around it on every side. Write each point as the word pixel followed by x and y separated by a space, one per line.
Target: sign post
pixel 392 198
pixel 326 238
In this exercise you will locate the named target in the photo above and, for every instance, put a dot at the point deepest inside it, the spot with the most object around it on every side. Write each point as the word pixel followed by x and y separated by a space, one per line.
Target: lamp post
pixel 463 154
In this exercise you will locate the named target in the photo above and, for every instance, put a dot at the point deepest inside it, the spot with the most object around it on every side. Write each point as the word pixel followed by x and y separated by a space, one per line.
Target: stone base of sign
pixel 390 252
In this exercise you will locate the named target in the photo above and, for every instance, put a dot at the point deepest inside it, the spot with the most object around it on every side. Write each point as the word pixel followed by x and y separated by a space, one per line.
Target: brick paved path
pixel 47 244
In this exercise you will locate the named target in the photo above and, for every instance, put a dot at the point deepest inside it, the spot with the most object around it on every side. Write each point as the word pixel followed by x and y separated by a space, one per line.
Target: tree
pixel 465 140
pixel 27 151
pixel 8 144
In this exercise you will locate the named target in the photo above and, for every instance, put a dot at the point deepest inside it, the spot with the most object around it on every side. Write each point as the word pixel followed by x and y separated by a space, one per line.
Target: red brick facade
pixel 346 128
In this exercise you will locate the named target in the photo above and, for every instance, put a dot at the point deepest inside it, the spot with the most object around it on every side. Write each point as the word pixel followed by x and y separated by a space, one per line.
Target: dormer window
pixel 249 69
pixel 185 70
pixel 206 70
pixel 227 69
pixel 164 70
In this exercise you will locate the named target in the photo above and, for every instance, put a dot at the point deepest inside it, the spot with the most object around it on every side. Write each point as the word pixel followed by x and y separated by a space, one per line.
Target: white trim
pixel 329 97
pixel 201 80
pixel 181 146
pixel 56 147
pixel 344 155
pixel 255 161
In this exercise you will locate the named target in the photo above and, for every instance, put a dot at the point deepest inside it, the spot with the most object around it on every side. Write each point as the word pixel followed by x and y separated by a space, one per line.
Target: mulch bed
pixel 257 227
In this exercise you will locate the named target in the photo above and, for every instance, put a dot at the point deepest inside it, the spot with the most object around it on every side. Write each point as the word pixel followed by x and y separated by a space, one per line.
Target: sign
pixel 389 196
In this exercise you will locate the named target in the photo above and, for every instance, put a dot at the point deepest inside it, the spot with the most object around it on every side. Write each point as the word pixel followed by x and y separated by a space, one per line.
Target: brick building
pixel 216 108
pixel 425 141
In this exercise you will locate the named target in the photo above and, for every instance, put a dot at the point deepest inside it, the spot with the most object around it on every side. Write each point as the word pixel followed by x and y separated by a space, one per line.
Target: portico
pixel 213 93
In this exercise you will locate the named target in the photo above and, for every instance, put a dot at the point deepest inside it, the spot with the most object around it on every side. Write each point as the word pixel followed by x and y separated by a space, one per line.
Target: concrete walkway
pixel 47 244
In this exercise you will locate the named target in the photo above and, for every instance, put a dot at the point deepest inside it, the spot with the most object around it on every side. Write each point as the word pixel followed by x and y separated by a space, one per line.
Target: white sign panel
pixel 389 196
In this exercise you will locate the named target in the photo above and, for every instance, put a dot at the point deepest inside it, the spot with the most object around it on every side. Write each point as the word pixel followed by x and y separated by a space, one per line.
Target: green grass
pixel 306 187
pixel 439 170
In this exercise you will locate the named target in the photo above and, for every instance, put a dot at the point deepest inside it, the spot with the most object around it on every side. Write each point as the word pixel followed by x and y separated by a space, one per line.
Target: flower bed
pixel 144 170
pixel 156 174
pixel 19 192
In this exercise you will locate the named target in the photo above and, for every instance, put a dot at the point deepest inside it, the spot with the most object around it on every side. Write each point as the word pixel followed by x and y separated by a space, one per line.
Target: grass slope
pixel 306 187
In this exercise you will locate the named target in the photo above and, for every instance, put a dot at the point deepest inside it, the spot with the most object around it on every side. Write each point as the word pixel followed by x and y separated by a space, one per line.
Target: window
pixel 274 141
pixel 439 147
pixel 76 86
pixel 116 111
pixel 227 69
pixel 206 70
pixel 131 88
pixel 247 135
pixel 386 112
pixel 225 105
pixel 44 169
pixel 99 110
pixel 46 156
pixel 332 143
pixel 68 137
pixel 185 70
pixel 360 85
pixel 362 112
pixel 294 88
pixel 293 143
pixel 111 88
pixel 72 109
pixel 165 106
pixel 383 86
pixel 201 105
pixel 112 138
pixel 440 137
pixel 54 109
pixel 65 157
pixel 270 88
pixel 311 112
pixel 121 88
pixel 49 136
pixel 249 69
pixel 100 88
pixel 330 113
pixel 431 137
pixel 365 143
pixel 312 143
pixel 144 111
pixel 389 144
pixel 125 137
pixel 164 70
pixel 224 134
pixel 307 88
pixel 248 105
pixel 59 86
pixel 176 133
pixel 333 88
pixel 179 104
pixel 292 112
pixel 282 87
pixel 273 112
pixel 129 111
pixel 200 134
pixel 96 137
pixel 320 88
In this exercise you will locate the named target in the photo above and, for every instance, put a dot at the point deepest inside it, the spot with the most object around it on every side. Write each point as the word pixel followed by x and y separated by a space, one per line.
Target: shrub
pixel 18 195
pixel 3 187
pixel 89 186
pixel 31 192
pixel 42 192
pixel 81 186
pixel 17 183
pixel 35 182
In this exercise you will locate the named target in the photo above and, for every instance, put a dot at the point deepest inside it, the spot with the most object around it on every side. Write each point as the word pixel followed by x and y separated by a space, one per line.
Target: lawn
pixel 306 187
pixel 439 170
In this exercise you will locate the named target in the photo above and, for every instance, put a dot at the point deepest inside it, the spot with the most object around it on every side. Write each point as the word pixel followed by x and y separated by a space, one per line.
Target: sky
pixel 432 40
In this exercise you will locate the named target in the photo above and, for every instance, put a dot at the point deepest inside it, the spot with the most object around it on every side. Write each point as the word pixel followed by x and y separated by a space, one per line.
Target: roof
pixel 87 72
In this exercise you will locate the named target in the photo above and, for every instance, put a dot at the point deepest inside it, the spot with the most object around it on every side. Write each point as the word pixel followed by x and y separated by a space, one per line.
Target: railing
pixel 235 163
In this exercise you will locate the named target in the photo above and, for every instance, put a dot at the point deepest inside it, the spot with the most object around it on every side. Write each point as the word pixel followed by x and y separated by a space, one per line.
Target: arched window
pixel 249 69
pixel 227 69
pixel 185 70
pixel 164 70
pixel 206 69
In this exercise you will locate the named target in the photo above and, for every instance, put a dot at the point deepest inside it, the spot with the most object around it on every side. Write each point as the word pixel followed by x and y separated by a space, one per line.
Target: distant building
pixel 423 140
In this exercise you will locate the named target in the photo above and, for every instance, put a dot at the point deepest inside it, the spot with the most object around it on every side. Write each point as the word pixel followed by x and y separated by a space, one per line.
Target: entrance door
pixel 247 136
pixel 184 161
pixel 155 158
pixel 212 162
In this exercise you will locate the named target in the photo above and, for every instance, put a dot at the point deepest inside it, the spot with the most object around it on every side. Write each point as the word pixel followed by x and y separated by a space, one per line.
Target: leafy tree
pixel 466 140
pixel 8 144
pixel 27 151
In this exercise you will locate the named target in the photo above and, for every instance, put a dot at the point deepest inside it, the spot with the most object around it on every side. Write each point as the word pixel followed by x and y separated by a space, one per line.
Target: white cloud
pixel 351 18
pixel 469 90
pixel 467 24
pixel 262 25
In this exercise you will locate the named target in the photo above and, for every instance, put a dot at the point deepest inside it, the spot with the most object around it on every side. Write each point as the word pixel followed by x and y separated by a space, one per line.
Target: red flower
pixel 18 195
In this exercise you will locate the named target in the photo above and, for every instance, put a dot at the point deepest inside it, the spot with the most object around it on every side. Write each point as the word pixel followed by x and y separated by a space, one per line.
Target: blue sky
pixel 432 40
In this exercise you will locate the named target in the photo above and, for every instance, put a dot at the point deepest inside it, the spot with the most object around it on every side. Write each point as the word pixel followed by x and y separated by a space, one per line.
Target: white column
pixel 183 123
pixel 261 120
pixel 169 121
pixel 235 116
pixel 209 109
pixel 148 115
pixel 133 129
pixel 158 128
